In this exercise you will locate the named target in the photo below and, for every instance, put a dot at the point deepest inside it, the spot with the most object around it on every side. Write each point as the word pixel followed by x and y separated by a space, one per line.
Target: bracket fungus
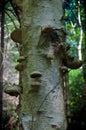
pixel 13 91
pixel 16 35
pixel 64 69
pixel 35 74
pixel 19 67
pixel 75 64
pixel 71 62
pixel 21 58
pixel 35 86
pixel 61 48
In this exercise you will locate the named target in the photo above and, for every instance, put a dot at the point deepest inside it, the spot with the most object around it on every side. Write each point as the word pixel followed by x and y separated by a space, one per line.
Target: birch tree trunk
pixel 42 34
pixel 2 17
pixel 81 33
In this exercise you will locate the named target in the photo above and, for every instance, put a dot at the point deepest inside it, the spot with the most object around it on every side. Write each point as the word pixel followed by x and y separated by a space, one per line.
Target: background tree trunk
pixel 2 17
pixel 41 102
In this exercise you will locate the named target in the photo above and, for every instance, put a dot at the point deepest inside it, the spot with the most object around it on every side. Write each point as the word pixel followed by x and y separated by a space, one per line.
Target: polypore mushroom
pixel 16 35
pixel 71 62
pixel 74 64
pixel 35 86
pixel 21 58
pixel 64 69
pixel 13 91
pixel 19 67
pixel 35 74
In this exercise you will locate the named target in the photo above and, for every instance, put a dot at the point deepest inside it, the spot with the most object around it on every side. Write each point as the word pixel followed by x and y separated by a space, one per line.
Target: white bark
pixel 41 109
pixel 81 33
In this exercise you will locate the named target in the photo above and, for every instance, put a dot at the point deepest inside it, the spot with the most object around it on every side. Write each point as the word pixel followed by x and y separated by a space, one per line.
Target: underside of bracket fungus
pixel 35 74
pixel 19 67
pixel 64 69
pixel 16 35
pixel 12 90
pixel 21 59
pixel 35 86
pixel 71 62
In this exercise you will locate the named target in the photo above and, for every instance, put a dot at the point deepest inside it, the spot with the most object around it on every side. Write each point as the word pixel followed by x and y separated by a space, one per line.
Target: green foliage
pixel 76 84
pixel 76 81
